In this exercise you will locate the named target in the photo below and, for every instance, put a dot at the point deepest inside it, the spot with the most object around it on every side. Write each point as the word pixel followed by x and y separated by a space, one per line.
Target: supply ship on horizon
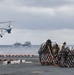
pixel 27 43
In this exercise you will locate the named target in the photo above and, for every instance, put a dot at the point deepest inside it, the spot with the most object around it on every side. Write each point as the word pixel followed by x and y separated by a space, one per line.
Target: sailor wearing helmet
pixel 63 46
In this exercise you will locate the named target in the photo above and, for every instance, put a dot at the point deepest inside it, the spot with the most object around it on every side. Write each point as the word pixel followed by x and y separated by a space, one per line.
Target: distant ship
pixel 17 44
pixel 28 43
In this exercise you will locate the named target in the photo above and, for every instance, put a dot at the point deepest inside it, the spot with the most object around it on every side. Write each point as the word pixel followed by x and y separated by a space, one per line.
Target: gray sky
pixel 35 19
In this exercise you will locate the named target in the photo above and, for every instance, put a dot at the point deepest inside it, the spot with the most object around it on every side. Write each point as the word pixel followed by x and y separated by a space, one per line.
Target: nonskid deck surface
pixel 34 68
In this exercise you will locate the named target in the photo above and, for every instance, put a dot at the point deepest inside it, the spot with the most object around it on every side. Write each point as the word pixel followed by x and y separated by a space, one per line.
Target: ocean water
pixel 9 49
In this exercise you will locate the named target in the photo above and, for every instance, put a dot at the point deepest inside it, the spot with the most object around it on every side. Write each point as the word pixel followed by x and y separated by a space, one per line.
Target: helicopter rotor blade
pixel 7 22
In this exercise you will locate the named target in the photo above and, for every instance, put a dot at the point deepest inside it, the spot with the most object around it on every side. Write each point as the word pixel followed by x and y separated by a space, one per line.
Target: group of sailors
pixel 54 50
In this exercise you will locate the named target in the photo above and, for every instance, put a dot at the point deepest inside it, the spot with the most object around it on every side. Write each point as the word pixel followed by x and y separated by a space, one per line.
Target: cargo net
pixel 66 60
pixel 46 59
pixel 62 58
pixel 46 56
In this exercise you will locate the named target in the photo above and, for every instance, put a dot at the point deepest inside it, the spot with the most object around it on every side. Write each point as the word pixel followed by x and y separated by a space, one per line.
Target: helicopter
pixel 8 29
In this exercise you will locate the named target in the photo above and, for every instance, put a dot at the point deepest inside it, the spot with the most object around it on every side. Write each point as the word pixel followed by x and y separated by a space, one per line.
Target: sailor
pixel 63 46
pixel 55 49
pixel 49 43
pixel 72 48
pixel 64 53
pixel 61 52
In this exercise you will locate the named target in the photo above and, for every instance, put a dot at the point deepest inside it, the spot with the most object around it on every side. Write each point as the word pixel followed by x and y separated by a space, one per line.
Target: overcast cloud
pixel 38 15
